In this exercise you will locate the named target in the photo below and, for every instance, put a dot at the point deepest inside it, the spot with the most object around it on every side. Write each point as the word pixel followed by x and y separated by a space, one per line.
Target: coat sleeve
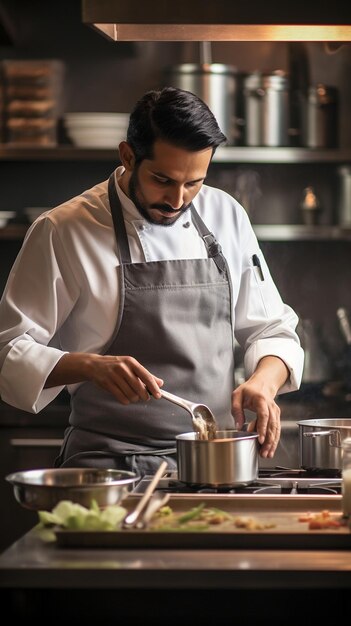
pixel 264 324
pixel 38 296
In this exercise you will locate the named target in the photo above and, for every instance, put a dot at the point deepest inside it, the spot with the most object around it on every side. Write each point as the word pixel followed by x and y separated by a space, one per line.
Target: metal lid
pixel 278 80
pixel 327 422
pixel 253 81
pixel 344 170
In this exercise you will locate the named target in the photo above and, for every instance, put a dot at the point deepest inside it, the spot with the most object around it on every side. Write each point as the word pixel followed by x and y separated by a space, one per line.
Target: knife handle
pixel 132 518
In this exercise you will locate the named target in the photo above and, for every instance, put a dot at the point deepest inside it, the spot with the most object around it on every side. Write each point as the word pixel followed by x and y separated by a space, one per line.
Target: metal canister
pixel 253 94
pixel 216 84
pixel 275 109
pixel 320 117
pixel 344 196
pixel 266 98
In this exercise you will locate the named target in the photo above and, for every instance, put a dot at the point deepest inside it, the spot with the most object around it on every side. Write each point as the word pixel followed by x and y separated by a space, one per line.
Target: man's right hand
pixel 123 376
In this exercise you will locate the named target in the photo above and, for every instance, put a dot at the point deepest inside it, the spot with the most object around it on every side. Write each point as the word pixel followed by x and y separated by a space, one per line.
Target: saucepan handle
pixel 319 433
pixel 334 436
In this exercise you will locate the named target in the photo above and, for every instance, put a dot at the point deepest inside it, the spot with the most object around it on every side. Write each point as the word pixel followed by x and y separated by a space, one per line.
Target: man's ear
pixel 126 155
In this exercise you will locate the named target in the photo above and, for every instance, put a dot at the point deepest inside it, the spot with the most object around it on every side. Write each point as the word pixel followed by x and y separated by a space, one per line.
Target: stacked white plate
pixel 5 217
pixel 96 130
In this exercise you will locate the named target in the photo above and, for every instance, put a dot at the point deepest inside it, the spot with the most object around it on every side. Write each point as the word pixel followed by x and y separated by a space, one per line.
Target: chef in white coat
pixel 146 280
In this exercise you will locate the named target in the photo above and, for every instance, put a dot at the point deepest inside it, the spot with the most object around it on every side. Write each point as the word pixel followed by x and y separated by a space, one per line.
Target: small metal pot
pixel 231 459
pixel 320 442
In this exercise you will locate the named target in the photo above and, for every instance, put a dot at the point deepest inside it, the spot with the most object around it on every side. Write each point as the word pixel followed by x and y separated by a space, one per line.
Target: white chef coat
pixel 62 294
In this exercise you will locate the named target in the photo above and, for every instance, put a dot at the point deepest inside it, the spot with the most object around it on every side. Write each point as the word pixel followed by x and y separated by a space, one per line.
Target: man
pixel 144 281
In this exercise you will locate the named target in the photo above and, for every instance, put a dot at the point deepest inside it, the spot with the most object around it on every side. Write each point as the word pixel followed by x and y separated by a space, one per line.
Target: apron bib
pixel 175 318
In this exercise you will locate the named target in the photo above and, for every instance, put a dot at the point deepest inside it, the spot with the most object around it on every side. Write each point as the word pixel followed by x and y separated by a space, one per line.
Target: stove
pixel 275 480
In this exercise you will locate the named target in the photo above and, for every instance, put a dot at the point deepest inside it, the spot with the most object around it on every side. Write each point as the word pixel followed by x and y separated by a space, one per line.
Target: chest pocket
pixel 266 295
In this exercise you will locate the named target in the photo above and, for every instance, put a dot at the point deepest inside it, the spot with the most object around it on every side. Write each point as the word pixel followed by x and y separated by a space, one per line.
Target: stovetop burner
pixel 270 481
pixel 310 474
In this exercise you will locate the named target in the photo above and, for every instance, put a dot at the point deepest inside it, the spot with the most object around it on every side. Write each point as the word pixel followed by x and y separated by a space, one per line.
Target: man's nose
pixel 175 197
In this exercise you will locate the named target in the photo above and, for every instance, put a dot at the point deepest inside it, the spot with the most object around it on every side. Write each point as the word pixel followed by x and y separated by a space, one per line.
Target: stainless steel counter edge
pixel 32 564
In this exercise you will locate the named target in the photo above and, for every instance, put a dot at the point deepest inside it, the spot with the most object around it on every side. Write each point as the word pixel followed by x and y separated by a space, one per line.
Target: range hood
pixel 219 20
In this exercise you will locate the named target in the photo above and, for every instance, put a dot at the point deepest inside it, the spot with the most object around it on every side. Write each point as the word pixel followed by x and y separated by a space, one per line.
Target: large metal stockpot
pixel 216 84
pixel 320 442
pixel 230 459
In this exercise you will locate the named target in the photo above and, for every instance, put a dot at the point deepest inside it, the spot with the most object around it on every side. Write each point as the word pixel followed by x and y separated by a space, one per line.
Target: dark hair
pixel 174 115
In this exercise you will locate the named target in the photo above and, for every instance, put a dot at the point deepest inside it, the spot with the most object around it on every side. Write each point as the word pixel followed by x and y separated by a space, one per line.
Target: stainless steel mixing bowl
pixel 42 489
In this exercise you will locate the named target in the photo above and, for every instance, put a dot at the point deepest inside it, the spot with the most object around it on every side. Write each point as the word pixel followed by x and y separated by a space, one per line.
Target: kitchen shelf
pixel 236 154
pixel 13 232
pixel 280 155
pixel 300 232
pixel 57 153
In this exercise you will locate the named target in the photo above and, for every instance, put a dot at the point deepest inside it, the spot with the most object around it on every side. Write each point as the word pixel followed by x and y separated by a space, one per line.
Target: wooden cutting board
pixel 254 522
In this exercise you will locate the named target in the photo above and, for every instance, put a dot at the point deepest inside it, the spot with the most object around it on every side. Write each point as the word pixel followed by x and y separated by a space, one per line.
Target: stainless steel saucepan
pixel 320 442
pixel 229 459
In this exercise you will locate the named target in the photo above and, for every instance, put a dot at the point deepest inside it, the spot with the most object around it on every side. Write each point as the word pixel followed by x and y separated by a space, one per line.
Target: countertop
pixel 32 563
pixel 126 583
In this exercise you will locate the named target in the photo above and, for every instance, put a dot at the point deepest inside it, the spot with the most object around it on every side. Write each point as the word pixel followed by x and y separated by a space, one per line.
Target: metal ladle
pixel 204 422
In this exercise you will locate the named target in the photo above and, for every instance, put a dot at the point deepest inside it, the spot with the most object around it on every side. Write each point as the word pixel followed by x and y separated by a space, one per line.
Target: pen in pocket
pixel 257 263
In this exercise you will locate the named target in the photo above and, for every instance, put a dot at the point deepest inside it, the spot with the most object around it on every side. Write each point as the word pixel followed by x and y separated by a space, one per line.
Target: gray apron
pixel 175 319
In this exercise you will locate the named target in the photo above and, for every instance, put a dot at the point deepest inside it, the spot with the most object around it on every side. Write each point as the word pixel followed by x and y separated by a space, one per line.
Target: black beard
pixel 132 189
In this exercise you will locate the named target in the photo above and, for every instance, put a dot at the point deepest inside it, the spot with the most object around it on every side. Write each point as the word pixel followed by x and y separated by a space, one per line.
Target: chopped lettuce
pixel 73 516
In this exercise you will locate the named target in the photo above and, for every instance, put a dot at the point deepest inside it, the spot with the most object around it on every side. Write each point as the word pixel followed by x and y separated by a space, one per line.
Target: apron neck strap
pixel 118 221
pixel 213 248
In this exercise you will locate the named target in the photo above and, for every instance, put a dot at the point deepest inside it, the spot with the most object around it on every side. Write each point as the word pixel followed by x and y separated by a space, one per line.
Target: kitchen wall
pixel 100 75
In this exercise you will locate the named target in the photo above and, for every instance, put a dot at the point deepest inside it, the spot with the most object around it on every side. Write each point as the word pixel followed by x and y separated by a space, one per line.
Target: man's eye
pixel 161 181
pixel 193 184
